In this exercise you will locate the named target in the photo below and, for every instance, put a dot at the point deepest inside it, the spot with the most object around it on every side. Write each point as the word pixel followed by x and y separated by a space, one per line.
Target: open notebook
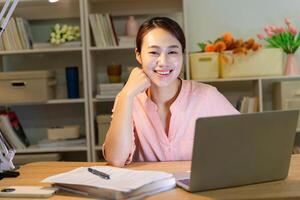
pixel 123 183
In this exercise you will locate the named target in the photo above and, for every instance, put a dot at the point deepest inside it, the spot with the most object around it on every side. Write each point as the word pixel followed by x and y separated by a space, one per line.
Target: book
pixel 16 35
pixel 17 127
pixel 122 183
pixel 22 33
pixel 103 30
pixel 248 104
pixel 96 30
pixel 113 30
pixel 9 133
pixel 29 35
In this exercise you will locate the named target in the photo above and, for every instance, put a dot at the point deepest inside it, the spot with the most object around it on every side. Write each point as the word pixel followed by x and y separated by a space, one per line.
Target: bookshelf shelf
pixel 65 101
pixel 111 48
pixel 34 51
pixel 104 99
pixel 36 149
pixel 251 79
pixel 54 101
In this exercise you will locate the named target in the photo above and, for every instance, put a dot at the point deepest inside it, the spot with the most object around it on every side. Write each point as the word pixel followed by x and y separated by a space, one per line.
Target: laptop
pixel 241 149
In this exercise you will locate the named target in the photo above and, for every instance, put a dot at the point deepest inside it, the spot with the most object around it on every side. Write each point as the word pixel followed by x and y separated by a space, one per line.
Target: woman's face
pixel 161 57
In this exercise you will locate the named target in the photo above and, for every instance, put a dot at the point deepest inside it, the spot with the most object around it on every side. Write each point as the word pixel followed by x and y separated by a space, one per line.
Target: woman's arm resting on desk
pixel 118 141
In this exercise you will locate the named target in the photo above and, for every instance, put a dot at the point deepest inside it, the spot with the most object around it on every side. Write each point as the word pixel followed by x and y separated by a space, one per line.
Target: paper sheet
pixel 121 179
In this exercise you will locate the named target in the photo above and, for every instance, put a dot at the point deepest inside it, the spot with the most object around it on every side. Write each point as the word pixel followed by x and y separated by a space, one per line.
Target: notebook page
pixel 124 180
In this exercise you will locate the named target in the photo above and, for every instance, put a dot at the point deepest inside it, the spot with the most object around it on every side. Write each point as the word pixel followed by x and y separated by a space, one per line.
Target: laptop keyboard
pixel 185 181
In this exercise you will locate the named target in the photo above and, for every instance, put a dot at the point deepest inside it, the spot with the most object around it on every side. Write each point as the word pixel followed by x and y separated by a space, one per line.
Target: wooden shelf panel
pixel 53 101
pixel 250 79
pixel 111 48
pixel 104 99
pixel 36 149
pixel 65 101
pixel 35 51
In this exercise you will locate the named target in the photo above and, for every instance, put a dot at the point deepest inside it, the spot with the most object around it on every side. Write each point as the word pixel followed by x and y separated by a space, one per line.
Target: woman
pixel 155 113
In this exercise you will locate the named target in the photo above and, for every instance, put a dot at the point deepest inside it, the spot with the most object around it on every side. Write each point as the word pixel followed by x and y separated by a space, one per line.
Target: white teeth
pixel 163 72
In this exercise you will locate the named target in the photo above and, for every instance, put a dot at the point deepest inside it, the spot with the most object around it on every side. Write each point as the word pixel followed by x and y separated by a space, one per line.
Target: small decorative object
pixel 217 57
pixel 72 78
pixel 227 43
pixel 64 33
pixel 114 73
pixel 132 27
pixel 291 67
pixel 286 38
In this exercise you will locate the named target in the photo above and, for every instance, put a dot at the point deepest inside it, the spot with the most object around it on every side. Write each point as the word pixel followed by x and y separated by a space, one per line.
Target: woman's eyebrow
pixel 158 47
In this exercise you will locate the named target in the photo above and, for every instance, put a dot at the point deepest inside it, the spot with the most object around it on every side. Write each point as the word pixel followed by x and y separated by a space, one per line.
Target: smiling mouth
pixel 163 72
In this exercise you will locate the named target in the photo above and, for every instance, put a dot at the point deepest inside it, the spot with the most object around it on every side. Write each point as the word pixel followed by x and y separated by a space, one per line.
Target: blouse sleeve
pixel 220 105
pixel 129 159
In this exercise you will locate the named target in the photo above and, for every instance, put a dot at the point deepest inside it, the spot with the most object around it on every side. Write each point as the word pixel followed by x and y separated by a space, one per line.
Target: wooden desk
pixel 33 173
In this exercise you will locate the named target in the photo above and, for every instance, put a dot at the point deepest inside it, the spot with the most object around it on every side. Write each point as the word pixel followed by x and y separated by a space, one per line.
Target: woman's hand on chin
pixel 137 82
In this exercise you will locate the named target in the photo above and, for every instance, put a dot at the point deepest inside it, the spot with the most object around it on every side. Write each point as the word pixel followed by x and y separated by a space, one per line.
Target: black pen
pixel 98 173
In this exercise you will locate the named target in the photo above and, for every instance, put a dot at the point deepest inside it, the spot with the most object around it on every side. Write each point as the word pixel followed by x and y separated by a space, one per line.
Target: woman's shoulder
pixel 198 88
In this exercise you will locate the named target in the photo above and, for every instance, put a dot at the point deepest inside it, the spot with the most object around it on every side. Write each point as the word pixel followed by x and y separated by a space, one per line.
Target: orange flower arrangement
pixel 227 43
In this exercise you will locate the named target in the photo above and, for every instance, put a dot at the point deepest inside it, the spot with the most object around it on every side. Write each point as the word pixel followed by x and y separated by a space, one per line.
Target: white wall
pixel 207 19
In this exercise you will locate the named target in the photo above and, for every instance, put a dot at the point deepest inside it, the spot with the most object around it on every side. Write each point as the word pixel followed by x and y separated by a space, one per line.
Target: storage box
pixel 204 66
pixel 287 96
pixel 264 62
pixel 26 86
pixel 103 122
pixel 65 132
pixel 285 91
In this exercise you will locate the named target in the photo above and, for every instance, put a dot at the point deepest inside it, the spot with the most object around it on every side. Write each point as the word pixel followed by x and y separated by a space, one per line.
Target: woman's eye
pixel 173 52
pixel 153 52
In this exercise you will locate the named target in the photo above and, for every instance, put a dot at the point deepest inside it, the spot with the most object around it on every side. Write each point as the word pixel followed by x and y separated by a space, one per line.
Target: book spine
pixel 28 32
pixel 113 30
pixel 101 27
pixel 15 122
pixel 17 35
pixel 95 30
pixel 9 133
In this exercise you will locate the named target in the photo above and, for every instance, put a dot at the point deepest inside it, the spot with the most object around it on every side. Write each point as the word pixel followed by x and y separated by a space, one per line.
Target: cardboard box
pixel 285 91
pixel 264 62
pixel 65 132
pixel 26 86
pixel 287 96
pixel 204 66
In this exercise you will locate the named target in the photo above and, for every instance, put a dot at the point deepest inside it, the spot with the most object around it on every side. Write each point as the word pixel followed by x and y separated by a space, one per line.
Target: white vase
pixel 132 27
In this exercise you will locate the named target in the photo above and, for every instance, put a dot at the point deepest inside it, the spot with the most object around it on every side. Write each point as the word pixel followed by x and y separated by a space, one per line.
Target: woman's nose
pixel 162 59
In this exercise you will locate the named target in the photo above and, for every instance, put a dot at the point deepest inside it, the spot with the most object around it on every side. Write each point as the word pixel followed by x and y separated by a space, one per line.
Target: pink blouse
pixel 151 143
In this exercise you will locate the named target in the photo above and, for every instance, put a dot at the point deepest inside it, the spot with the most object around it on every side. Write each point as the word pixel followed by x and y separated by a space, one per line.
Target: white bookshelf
pixel 37 117
pixel 92 62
